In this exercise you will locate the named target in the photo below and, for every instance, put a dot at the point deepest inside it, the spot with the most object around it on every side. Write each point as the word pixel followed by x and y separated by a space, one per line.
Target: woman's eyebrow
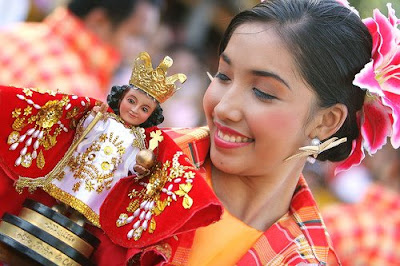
pixel 226 58
pixel 262 73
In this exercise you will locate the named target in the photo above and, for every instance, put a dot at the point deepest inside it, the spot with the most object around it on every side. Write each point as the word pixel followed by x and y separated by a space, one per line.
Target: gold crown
pixel 155 81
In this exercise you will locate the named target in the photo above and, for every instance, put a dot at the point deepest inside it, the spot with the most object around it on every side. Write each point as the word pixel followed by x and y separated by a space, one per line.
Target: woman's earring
pixel 314 142
pixel 317 147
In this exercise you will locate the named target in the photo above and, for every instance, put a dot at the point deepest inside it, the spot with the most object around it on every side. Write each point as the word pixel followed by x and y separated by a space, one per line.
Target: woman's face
pixel 257 106
pixel 136 107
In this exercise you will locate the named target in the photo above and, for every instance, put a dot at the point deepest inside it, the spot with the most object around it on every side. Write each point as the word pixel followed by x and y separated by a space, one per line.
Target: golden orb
pixel 145 158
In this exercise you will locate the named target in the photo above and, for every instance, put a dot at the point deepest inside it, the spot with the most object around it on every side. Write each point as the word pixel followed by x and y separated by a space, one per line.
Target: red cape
pixel 184 181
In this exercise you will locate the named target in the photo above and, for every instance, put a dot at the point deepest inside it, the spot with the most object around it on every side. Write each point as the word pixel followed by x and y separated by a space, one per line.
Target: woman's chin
pixel 224 164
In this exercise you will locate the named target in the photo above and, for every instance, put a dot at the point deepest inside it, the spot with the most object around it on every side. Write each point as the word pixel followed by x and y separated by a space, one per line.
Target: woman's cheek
pixel 287 123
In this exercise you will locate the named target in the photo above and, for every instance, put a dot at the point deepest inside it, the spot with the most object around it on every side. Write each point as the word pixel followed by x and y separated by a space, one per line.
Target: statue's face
pixel 136 107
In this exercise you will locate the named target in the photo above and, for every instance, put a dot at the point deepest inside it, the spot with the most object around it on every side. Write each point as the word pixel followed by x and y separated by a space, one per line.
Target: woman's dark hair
pixel 117 11
pixel 330 45
pixel 115 97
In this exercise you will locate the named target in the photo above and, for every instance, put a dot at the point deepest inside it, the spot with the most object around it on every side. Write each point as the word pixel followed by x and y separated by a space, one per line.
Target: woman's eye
pixel 131 101
pixel 221 76
pixel 145 109
pixel 262 95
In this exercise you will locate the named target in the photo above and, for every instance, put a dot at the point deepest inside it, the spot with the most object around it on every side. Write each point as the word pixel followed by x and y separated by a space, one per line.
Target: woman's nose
pixel 230 105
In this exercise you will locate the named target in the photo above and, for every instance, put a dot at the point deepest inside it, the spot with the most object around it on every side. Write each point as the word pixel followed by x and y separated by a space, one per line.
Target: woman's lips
pixel 228 138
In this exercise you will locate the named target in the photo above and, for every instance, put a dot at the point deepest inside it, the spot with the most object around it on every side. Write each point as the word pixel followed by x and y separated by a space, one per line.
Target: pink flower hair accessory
pixel 379 117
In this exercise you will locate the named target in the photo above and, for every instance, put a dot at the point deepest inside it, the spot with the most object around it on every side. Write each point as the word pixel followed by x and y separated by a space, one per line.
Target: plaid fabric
pixel 368 232
pixel 194 142
pixel 299 237
pixel 57 54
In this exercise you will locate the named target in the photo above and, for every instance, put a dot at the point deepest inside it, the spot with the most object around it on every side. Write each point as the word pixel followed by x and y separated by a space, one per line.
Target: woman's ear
pixel 329 120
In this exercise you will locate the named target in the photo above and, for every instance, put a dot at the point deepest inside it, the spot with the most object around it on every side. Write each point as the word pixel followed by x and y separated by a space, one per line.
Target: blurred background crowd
pixel 189 31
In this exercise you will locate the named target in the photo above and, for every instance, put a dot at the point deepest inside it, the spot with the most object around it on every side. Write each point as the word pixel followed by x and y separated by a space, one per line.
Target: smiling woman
pixel 283 91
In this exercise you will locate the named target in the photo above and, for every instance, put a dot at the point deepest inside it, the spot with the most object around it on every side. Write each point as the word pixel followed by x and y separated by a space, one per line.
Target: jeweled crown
pixel 155 81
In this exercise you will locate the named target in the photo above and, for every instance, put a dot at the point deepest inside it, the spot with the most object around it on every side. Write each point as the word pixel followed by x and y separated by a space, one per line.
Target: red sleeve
pixel 37 129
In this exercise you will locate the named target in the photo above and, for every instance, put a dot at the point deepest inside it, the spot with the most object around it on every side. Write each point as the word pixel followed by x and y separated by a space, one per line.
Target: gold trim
pixel 138 132
pixel 33 183
pixel 35 244
pixel 151 195
pixel 57 231
pixel 75 203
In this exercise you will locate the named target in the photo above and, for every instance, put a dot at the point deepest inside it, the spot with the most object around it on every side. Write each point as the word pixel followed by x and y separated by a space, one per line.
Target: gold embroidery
pixel 50 113
pixel 28 110
pixel 26 160
pixel 19 124
pixel 157 195
pixel 152 227
pixel 76 187
pixel 98 172
pixel 165 249
pixel 75 203
pixel 16 112
pixel 33 183
pixel 27 91
pixel 133 206
pixel 156 137
pixel 36 126
pixel 60 176
pixel 138 132
pixel 107 150
pixel 52 93
pixel 132 194
pixel 122 219
pixel 189 175
pixel 161 205
pixel 31 119
pixel 40 160
pixel 83 166
pixel 89 186
pixel 13 138
pixel 74 111
pixel 183 191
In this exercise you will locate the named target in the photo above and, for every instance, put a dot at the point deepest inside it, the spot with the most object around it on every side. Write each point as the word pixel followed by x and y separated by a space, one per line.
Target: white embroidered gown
pixel 104 156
